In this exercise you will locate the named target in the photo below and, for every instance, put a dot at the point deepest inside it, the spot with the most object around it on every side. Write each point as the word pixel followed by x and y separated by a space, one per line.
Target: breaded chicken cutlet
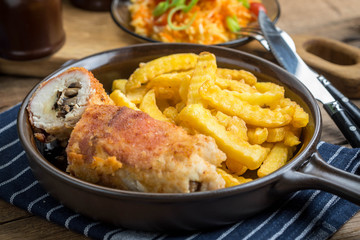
pixel 127 149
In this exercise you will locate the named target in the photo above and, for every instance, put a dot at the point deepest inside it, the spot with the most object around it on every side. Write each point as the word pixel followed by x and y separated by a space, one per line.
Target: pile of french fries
pixel 252 122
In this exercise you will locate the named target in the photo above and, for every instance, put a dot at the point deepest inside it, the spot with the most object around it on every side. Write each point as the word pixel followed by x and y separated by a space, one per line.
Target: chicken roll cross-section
pixel 58 103
pixel 127 149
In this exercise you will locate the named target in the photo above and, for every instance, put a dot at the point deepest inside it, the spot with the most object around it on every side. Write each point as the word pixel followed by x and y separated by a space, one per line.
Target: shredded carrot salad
pixel 206 22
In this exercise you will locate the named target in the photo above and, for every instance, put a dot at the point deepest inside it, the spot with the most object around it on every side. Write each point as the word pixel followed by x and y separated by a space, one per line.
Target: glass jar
pixel 92 5
pixel 30 29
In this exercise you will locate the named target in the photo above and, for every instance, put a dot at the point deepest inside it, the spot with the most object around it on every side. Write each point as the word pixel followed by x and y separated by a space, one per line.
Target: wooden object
pixel 337 61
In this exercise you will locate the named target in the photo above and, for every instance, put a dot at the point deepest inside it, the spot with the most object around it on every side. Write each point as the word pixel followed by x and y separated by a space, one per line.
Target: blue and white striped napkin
pixel 308 214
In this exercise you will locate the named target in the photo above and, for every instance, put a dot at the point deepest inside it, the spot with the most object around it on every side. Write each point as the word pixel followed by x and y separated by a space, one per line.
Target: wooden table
pixel 339 20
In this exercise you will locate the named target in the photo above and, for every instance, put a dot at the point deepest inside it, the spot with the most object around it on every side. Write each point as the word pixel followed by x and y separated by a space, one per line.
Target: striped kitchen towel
pixel 308 214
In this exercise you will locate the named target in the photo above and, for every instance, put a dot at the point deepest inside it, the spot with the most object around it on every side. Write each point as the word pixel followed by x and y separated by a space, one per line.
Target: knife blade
pixel 292 62
pixel 349 106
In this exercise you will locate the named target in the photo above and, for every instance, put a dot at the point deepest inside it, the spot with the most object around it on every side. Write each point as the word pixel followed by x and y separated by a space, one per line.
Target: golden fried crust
pixel 134 130
pixel 99 96
pixel 151 152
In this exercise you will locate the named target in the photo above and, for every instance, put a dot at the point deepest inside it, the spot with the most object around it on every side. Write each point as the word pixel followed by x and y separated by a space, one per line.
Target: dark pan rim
pixel 36 156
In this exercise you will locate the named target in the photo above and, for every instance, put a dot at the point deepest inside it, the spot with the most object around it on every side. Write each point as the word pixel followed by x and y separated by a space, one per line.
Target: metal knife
pixel 349 106
pixel 292 62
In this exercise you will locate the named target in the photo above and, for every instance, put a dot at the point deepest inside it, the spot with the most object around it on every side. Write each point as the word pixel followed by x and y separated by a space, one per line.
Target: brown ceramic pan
pixel 192 211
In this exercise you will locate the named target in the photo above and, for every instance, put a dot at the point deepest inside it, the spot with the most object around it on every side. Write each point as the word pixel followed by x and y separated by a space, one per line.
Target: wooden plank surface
pixel 22 225
pixel 91 32
pixel 86 33
pixel 94 32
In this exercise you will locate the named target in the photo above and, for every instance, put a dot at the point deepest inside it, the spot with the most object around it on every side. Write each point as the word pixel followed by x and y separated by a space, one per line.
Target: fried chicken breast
pixel 127 149
pixel 58 103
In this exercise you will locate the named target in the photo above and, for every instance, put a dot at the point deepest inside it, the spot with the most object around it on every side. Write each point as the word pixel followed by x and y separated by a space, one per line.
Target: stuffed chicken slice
pixel 58 103
pixel 127 149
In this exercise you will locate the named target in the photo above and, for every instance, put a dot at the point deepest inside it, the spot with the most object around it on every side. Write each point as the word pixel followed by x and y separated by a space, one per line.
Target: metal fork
pixel 255 33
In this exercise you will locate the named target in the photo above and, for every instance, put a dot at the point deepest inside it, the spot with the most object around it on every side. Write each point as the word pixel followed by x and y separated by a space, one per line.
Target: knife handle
pixel 350 107
pixel 346 125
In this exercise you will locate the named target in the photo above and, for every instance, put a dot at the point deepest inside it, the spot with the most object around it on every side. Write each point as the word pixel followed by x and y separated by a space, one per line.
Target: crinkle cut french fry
pixel 238 127
pixel 257 135
pixel 300 117
pixel 243 180
pixel 201 119
pixel 276 134
pixel 121 100
pixel 234 85
pixel 229 103
pixel 264 87
pixel 285 106
pixel 232 180
pixel 119 84
pixel 233 124
pixel 261 99
pixel 171 113
pixel 269 94
pixel 229 179
pixel 205 70
pixel 235 167
pixel 171 80
pixel 166 64
pixel 136 95
pixel 234 74
pixel 179 106
pixel 221 117
pixel 168 85
pixel 148 105
pixel 292 136
pixel 167 93
pixel 277 158
pixel 184 89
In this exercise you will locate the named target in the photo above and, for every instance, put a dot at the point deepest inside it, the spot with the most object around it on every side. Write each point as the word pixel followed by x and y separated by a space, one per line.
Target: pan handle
pixel 315 173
